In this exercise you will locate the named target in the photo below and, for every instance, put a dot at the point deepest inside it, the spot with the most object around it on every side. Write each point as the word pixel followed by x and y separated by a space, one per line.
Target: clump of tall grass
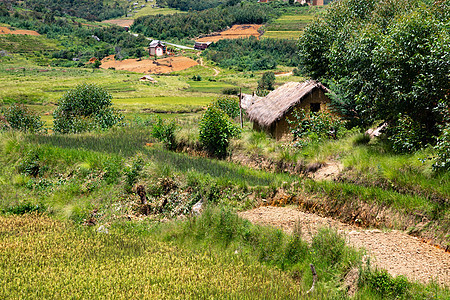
pixel 222 228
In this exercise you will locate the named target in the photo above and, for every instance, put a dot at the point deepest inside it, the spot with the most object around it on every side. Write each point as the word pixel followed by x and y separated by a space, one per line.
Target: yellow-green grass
pixel 149 11
pixel 282 34
pixel 42 258
pixel 27 43
pixel 162 104
pixel 290 23
pixel 208 87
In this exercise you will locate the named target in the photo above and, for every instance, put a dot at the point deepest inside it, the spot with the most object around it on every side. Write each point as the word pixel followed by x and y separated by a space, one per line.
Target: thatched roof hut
pixel 269 113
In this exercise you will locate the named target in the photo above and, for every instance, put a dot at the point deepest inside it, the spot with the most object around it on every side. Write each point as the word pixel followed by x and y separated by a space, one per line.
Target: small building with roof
pixel 157 48
pixel 271 113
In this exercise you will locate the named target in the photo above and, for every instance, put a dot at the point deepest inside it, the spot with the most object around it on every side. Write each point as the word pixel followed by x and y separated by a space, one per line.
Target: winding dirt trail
pixel 216 72
pixel 394 251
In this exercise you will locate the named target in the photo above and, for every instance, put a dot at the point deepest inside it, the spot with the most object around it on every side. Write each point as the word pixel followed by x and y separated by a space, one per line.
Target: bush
pixel 267 81
pixel 308 126
pixel 384 284
pixel 85 108
pixel 216 129
pixel 230 105
pixel 231 91
pixel 21 118
pixel 443 151
pixel 406 135
pixel 164 131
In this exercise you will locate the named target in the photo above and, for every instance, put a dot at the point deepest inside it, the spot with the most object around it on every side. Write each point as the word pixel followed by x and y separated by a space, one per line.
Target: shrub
pixel 85 108
pixel 230 105
pixel 384 284
pixel 329 246
pixel 308 126
pixel 405 135
pixel 21 118
pixel 443 151
pixel 216 129
pixel 267 81
pixel 164 131
pixel 231 91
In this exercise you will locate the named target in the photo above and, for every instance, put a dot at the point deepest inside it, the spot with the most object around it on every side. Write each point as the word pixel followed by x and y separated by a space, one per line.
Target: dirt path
pixel 216 72
pixel 395 251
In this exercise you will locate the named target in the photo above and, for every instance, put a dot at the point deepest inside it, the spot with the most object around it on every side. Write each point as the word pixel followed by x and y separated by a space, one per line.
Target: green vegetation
pixel 189 5
pixel 116 211
pixel 216 130
pixel 283 35
pixel 19 117
pixel 192 24
pixel 253 54
pixel 85 108
pixel 307 127
pixel 127 262
pixel 372 50
pixel 77 43
pixel 90 10
pixel 164 131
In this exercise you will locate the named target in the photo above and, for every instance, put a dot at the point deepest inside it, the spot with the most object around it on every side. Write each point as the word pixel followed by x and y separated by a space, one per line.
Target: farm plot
pixel 6 30
pixel 287 26
pixel 120 22
pixel 172 104
pixel 235 32
pixel 149 66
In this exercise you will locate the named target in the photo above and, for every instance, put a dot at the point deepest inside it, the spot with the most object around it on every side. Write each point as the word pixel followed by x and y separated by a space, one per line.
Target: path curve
pixel 216 72
pixel 394 251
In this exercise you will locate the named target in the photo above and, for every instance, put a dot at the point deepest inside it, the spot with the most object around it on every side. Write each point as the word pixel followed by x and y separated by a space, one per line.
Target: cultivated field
pixel 6 30
pixel 235 32
pixel 120 22
pixel 149 66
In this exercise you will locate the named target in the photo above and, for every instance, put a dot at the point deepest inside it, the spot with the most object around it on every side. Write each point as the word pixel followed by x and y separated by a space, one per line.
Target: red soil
pixel 235 32
pixel 6 30
pixel 147 66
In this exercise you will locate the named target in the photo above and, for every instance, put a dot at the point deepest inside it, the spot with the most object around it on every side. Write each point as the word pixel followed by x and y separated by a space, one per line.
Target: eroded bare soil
pixel 395 251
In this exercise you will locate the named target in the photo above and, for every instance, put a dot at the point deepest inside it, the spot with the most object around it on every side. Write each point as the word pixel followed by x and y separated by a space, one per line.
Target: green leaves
pixel 19 117
pixel 85 108
pixel 387 60
pixel 216 129
pixel 164 131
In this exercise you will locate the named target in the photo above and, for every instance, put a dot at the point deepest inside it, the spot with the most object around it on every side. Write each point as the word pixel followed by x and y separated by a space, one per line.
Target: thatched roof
pixel 279 102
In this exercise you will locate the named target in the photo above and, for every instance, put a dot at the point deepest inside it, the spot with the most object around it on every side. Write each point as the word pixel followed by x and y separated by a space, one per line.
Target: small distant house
pixel 271 113
pixel 157 48
pixel 201 45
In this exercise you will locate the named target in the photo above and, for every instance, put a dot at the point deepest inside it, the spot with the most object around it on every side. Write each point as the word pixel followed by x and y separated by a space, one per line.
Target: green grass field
pixel 286 35
pixel 290 23
pixel 150 11
pixel 170 104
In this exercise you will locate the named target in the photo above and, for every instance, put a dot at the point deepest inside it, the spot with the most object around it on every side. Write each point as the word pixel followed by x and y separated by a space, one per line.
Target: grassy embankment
pixel 88 177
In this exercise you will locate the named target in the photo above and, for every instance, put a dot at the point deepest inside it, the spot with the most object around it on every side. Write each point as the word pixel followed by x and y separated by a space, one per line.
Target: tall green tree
pixel 385 60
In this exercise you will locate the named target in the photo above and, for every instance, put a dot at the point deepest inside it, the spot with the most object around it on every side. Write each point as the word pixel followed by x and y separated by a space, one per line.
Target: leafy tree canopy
pixel 386 60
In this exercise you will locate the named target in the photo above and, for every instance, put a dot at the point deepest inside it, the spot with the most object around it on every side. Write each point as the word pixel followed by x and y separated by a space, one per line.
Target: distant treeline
pixel 186 5
pixel 80 42
pixel 93 10
pixel 253 54
pixel 193 24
